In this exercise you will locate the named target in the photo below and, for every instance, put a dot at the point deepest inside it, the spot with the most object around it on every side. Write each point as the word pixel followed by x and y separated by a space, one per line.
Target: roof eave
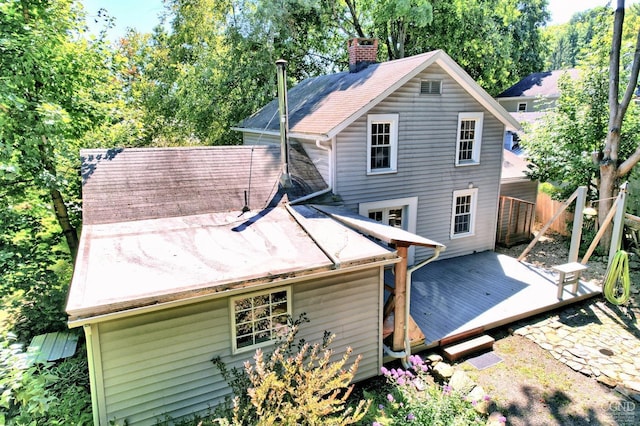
pixel 293 135
pixel 81 317
pixel 469 84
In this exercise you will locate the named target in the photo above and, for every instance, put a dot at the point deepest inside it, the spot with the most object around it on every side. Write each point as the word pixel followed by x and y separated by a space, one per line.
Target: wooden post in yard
pixel 578 219
pixel 400 299
pixel 618 223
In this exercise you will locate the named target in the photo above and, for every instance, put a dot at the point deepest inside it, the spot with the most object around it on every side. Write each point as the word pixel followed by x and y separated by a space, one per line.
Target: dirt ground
pixel 531 387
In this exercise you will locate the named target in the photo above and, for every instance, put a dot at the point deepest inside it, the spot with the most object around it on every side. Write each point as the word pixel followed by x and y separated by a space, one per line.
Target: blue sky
pixel 143 14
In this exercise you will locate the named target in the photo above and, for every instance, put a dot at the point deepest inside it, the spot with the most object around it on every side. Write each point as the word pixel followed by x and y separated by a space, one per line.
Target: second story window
pixel 522 107
pixel 382 143
pixel 469 138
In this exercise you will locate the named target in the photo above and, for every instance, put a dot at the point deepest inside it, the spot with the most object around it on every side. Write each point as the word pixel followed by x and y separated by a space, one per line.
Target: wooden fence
pixel 546 208
pixel 515 221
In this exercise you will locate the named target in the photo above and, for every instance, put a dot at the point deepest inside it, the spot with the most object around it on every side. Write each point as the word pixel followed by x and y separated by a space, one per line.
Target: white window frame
pixel 473 192
pixel 478 117
pixel 525 107
pixel 410 206
pixel 392 119
pixel 232 312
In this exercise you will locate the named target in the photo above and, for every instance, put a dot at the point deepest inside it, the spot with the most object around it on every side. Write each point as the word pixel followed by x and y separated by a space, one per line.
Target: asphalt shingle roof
pixel 543 84
pixel 318 105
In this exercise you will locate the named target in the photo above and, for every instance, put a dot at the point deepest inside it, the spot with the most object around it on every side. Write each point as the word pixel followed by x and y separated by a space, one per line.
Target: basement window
pixel 259 318
pixel 431 87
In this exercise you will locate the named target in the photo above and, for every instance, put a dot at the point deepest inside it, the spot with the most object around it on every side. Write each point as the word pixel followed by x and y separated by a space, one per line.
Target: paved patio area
pixel 596 338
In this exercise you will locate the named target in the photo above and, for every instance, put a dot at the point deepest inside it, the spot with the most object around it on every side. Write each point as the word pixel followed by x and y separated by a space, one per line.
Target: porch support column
pixel 399 313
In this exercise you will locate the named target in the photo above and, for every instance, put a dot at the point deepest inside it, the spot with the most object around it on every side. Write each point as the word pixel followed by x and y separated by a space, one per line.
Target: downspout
pixel 323 191
pixel 406 353
pixel 285 177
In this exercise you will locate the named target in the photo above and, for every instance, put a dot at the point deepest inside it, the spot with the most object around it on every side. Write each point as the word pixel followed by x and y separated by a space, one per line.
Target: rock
pixel 480 399
pixel 434 358
pixel 606 380
pixel 442 371
pixel 461 383
pixel 496 419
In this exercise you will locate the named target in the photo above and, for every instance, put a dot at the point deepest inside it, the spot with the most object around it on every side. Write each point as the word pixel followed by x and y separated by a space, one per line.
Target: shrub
pixel 297 388
pixel 413 400
pixel 35 394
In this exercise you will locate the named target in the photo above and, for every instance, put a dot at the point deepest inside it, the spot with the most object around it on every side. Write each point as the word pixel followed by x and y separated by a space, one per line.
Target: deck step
pixel 459 350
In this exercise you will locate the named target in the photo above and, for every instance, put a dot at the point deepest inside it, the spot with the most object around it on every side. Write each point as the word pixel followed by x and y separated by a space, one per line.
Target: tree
pixel 569 42
pixel 592 136
pixel 56 87
pixel 612 166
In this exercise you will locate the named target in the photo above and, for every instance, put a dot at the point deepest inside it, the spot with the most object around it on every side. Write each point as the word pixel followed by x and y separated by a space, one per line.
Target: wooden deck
pixel 454 297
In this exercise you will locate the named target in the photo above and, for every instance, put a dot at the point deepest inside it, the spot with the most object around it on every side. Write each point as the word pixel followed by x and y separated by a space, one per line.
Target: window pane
pixel 395 218
pixel 467 137
pixel 256 317
pixel 380 146
pixel 376 215
pixel 462 219
pixel 244 341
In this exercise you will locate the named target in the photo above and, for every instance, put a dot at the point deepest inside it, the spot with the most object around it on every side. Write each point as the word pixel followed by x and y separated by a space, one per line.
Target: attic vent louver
pixel 430 87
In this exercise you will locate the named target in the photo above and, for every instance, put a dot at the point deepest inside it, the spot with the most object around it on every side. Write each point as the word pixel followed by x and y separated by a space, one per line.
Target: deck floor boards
pixel 483 290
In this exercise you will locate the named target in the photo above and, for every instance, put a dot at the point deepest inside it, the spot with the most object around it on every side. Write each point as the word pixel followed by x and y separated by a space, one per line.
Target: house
pixel 190 254
pixel 530 98
pixel 415 143
pixel 536 92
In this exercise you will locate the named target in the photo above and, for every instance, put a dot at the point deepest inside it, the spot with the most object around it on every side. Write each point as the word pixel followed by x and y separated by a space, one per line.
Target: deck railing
pixel 515 221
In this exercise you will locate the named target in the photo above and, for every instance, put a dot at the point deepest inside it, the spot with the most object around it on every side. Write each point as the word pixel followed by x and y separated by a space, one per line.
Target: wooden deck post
pixel 578 219
pixel 618 223
pixel 399 313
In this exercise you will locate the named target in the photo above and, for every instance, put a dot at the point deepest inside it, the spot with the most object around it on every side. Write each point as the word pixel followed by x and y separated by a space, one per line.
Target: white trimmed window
pixel 463 216
pixel 399 212
pixel 382 143
pixel 522 107
pixel 258 318
pixel 469 138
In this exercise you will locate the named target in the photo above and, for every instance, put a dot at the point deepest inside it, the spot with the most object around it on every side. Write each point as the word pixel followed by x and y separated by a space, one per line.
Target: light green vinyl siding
pixel 159 363
pixel 426 162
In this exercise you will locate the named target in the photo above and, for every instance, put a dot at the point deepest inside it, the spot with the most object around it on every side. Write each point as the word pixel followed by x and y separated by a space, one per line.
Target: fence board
pixel 546 207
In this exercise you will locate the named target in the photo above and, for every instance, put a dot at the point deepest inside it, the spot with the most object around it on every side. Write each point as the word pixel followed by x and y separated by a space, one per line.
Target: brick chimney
pixel 362 53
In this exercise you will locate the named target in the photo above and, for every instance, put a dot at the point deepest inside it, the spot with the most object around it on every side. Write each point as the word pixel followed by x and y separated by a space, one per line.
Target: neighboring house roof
pixel 513 167
pixel 147 183
pixel 538 84
pixel 320 107
pixel 528 117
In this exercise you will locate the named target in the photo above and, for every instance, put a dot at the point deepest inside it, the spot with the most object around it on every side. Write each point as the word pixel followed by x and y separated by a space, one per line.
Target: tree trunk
pixel 609 162
pixel 70 233
pixel 59 206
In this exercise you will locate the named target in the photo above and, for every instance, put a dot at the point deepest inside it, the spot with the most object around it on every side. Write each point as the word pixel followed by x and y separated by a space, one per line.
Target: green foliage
pixel 215 66
pixel 34 267
pixel 565 146
pixel 305 387
pixel 412 400
pixel 571 41
pixel 37 394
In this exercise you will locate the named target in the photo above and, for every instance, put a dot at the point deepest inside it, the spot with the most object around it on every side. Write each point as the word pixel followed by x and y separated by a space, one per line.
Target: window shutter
pixel 430 87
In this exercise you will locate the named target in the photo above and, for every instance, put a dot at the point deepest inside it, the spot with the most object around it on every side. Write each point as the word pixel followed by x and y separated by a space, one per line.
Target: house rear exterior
pixel 414 143
pixel 191 254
